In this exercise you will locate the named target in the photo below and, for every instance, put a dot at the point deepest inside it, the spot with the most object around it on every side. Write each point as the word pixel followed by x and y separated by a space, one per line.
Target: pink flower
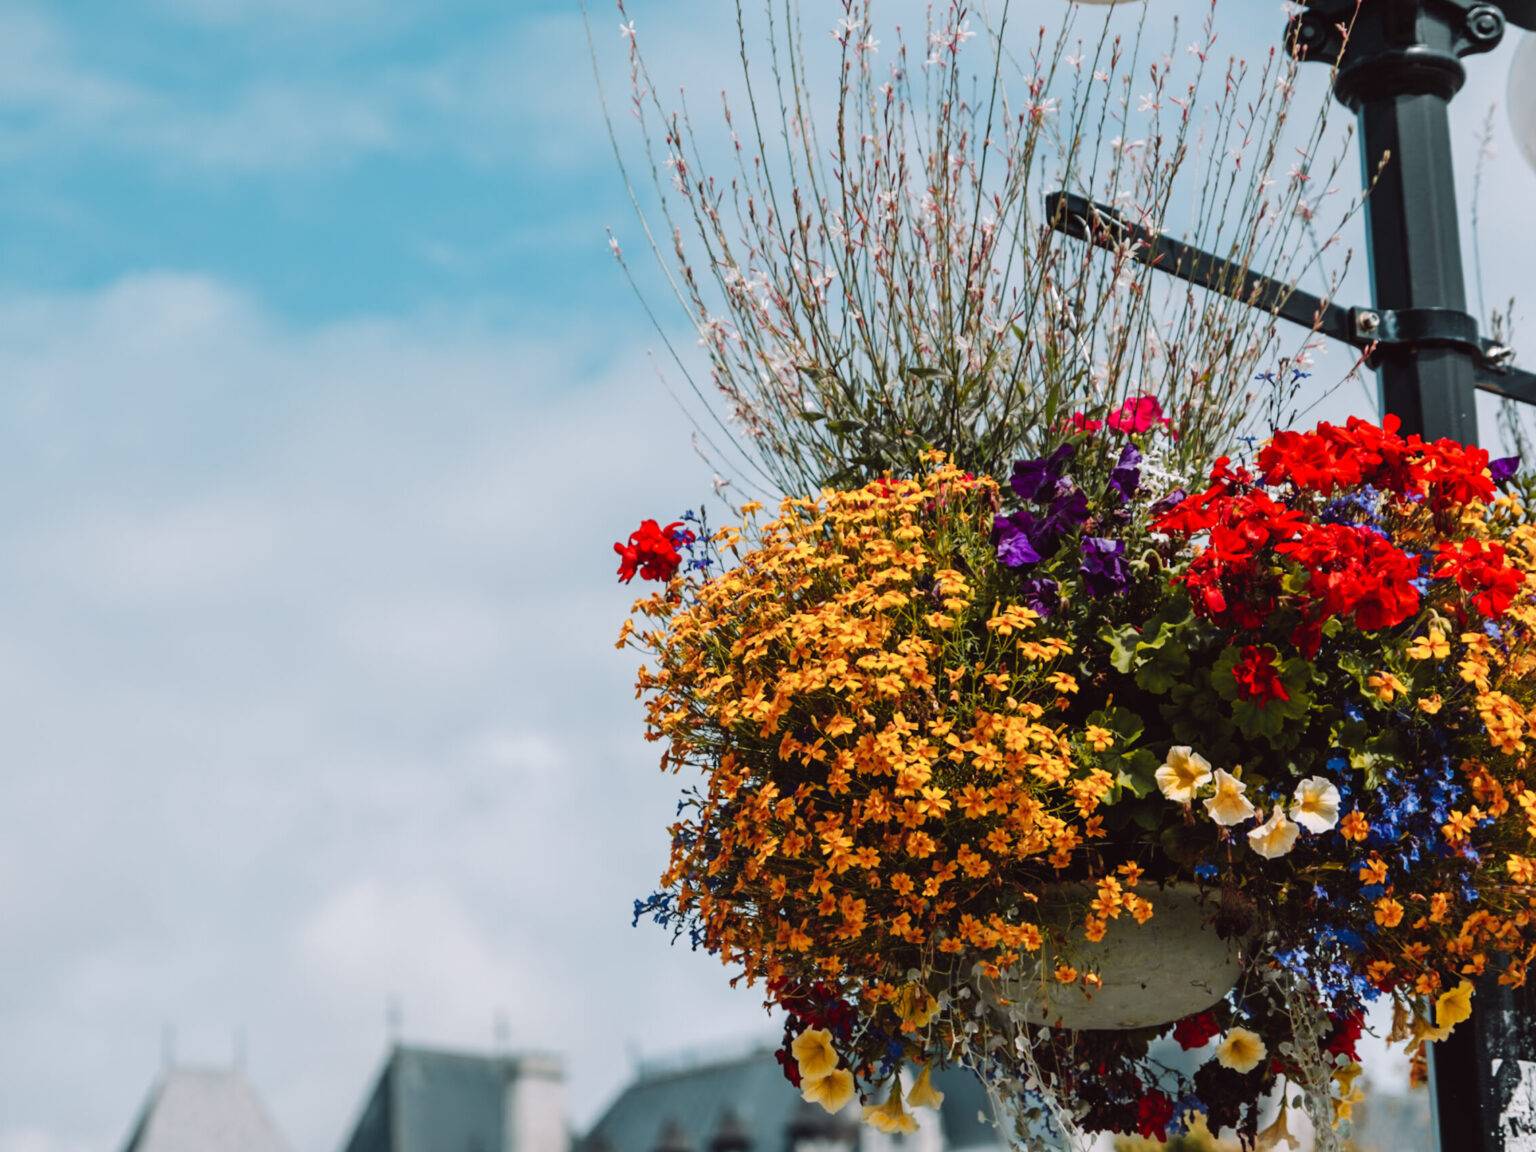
pixel 1081 423
pixel 1137 415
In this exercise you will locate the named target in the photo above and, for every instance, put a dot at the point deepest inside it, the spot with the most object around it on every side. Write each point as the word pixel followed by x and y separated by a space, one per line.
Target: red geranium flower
pixel 1258 676
pixel 652 551
pixel 1483 569
pixel 1196 1031
pixel 1345 1035
pixel 1154 1112
pixel 1456 474
pixel 1080 422
pixel 1330 457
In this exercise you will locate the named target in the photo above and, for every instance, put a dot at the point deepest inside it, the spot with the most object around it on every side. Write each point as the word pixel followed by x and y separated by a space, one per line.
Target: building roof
pixel 696 1108
pixel 197 1109
pixel 426 1100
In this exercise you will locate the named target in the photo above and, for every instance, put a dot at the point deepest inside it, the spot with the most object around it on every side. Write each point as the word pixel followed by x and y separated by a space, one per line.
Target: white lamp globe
pixel 1522 96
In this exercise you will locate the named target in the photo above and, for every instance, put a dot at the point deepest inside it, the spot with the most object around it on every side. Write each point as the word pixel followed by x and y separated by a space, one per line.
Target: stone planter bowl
pixel 1172 966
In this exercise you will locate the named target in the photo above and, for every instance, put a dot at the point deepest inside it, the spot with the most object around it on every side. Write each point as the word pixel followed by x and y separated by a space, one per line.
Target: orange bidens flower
pixel 1355 827
pixel 1389 912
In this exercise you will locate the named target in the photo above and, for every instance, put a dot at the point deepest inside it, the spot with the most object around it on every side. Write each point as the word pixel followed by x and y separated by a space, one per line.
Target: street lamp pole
pixel 1399 66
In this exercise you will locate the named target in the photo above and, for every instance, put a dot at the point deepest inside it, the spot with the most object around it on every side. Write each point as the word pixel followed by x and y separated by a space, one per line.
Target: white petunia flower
pixel 1229 806
pixel 1275 837
pixel 1184 774
pixel 1316 807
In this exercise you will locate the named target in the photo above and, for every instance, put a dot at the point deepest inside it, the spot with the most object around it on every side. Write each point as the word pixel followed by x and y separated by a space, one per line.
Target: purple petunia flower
pixel 1104 571
pixel 1015 549
pixel 1041 479
pixel 1042 594
pixel 1505 469
pixel 1067 513
pixel 1168 503
pixel 1126 477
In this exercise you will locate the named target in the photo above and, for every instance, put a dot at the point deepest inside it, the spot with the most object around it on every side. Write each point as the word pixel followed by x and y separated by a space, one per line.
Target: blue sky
pixel 321 401
pixel 368 158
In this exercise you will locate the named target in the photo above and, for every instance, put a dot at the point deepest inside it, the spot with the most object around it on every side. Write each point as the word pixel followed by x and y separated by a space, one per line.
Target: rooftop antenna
pixel 394 1020
pixel 501 1031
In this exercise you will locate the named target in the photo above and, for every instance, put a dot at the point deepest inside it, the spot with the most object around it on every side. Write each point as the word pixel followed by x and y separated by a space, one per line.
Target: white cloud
pixel 311 699
pixel 35 1140
pixel 371 940
pixel 270 13
pixel 276 126
pixel 38 72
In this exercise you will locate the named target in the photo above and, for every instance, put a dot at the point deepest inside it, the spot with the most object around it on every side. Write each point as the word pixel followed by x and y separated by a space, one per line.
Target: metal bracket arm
pixel 1368 329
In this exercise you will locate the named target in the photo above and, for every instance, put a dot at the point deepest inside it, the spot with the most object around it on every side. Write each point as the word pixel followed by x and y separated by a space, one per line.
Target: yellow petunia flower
pixel 1241 1050
pixel 1184 774
pixel 814 1054
pixel 916 1006
pixel 924 1094
pixel 1454 1006
pixel 832 1091
pixel 1349 1095
pixel 1280 1131
pixel 890 1117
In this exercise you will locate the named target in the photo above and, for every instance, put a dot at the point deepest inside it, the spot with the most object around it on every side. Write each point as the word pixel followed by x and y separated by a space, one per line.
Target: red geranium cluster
pixel 1240 576
pixel 1226 579
pixel 652 551
pixel 1353 571
pixel 1154 1112
pixel 1331 458
pixel 1345 1036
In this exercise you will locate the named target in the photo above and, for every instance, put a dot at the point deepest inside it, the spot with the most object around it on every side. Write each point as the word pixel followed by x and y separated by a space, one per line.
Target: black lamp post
pixel 1399 67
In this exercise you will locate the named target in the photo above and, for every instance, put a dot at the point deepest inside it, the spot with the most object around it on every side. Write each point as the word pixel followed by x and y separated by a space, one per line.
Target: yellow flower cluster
pixel 884 784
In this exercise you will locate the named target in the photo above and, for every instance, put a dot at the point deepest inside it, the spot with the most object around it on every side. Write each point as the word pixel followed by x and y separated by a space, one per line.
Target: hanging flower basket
pixel 1148 975
pixel 1039 775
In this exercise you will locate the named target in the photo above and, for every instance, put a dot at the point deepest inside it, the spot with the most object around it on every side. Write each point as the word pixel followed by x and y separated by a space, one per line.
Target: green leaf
pixel 1122 722
pixel 1165 667
pixel 1138 772
pixel 1122 646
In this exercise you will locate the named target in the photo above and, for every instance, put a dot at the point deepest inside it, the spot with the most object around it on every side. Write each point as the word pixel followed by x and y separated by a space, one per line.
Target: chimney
pixel 533 1118
pixel 672 1138
pixel 730 1134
